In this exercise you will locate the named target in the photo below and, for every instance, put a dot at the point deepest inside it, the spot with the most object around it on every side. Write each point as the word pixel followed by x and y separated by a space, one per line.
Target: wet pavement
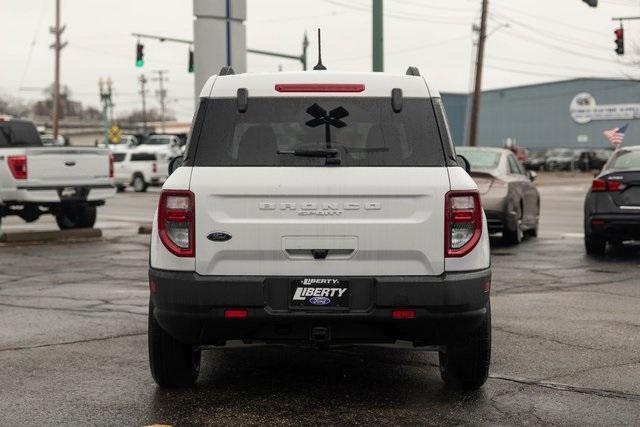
pixel 566 343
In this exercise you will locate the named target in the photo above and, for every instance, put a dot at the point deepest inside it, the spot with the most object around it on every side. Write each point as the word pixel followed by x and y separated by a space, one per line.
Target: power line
pixel 527 72
pixel 33 42
pixel 535 63
pixel 582 55
pixel 405 50
pixel 431 6
pixel 546 18
pixel 552 35
pixel 416 18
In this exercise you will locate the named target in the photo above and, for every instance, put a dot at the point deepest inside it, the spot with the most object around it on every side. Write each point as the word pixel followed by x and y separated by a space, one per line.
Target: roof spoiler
pixel 412 71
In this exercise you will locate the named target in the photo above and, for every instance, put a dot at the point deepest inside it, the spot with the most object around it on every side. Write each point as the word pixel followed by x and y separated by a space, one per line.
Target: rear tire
pixel 173 364
pixel 79 216
pixel 594 244
pixel 514 237
pixel 139 184
pixel 465 365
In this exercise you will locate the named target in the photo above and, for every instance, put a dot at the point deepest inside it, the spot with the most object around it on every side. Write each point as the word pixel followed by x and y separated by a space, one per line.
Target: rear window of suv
pixel 363 131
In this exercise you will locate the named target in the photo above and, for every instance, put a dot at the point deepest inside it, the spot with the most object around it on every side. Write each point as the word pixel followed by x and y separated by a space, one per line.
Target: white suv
pixel 321 208
pixel 139 169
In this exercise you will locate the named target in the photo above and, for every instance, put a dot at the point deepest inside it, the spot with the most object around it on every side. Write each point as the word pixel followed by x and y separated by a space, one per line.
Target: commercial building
pixel 570 113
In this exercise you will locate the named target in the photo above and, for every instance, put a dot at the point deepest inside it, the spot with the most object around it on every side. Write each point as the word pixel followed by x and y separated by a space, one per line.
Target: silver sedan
pixel 509 197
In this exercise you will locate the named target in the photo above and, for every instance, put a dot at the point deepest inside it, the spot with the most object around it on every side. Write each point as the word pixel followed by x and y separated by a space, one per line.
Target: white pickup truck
pixel 66 182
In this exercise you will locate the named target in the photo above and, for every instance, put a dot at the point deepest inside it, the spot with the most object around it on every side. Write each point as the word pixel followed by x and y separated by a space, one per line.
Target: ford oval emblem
pixel 219 236
pixel 319 300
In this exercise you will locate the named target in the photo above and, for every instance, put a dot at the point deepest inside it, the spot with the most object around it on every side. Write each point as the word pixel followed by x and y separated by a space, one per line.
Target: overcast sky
pixel 545 40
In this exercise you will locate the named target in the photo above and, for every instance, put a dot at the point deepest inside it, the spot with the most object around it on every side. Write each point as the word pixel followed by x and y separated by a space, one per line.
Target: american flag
pixel 616 135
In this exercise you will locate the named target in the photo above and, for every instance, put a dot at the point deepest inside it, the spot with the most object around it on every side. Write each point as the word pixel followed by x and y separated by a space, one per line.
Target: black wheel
pixel 80 216
pixel 514 237
pixel 172 363
pixel 594 244
pixel 139 184
pixel 465 365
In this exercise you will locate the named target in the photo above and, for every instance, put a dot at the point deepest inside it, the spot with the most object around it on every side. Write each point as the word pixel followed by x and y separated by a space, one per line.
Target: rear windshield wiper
pixel 331 154
pixel 311 152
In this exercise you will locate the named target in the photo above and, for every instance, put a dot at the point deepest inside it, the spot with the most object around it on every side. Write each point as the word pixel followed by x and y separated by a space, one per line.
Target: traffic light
pixel 619 40
pixel 592 3
pixel 190 60
pixel 139 54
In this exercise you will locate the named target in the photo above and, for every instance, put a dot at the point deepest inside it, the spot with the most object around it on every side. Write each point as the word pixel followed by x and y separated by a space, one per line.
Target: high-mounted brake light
pixel 236 313
pixel 601 185
pixel 18 166
pixel 319 87
pixel 462 222
pixel 403 314
pixel 176 222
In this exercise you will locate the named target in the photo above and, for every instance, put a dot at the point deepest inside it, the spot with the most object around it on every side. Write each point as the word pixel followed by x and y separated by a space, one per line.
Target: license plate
pixel 68 192
pixel 319 293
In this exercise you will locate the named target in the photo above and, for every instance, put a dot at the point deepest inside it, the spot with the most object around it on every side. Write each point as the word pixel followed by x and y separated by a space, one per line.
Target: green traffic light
pixel 139 63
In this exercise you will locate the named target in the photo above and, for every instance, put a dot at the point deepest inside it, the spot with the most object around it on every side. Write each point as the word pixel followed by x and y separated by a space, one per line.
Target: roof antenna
pixel 319 65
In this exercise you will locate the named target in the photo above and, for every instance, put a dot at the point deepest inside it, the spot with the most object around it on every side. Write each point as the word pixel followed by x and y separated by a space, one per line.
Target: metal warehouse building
pixel 570 113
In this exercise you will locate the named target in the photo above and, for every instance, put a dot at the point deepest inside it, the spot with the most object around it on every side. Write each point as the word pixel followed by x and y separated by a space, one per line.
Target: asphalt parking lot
pixel 566 340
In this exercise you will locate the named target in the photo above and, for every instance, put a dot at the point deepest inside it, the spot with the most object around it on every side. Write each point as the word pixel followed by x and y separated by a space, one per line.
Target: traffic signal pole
pixel 301 58
pixel 477 90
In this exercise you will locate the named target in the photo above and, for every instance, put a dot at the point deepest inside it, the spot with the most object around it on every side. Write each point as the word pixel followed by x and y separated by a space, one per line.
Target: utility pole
pixel 105 100
pixel 377 41
pixel 162 94
pixel 143 93
pixel 57 46
pixel 477 90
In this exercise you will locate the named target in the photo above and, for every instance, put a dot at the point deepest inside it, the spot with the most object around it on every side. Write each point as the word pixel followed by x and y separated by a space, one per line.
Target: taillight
pixel 154 167
pixel 615 186
pixel 601 185
pixel 110 165
pixel 18 166
pixel 176 222
pixel 462 222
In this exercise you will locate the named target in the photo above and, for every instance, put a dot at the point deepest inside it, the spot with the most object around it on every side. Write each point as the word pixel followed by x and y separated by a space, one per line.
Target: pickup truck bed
pixel 68 182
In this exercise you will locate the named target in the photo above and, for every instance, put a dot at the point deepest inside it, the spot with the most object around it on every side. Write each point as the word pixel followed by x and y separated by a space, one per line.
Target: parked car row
pixel 567 159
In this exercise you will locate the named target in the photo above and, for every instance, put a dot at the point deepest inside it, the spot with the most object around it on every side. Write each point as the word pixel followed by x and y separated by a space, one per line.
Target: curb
pixel 50 236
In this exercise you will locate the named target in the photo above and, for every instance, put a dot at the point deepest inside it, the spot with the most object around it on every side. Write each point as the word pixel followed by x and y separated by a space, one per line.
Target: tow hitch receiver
pixel 320 336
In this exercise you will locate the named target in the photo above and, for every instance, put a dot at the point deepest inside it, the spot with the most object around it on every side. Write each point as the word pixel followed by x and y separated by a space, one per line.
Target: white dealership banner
pixel 584 109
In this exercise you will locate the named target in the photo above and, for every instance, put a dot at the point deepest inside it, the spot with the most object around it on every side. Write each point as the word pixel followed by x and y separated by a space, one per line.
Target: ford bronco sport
pixel 320 208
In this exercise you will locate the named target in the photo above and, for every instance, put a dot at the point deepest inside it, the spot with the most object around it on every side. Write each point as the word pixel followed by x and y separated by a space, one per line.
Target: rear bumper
pixel 52 193
pixel 615 226
pixel 191 308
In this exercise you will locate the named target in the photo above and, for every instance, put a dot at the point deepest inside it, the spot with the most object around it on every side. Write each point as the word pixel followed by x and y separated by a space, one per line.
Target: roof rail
pixel 226 71
pixel 413 71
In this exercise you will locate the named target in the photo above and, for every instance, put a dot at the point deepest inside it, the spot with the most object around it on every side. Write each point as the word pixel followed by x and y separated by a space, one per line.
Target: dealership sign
pixel 584 109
